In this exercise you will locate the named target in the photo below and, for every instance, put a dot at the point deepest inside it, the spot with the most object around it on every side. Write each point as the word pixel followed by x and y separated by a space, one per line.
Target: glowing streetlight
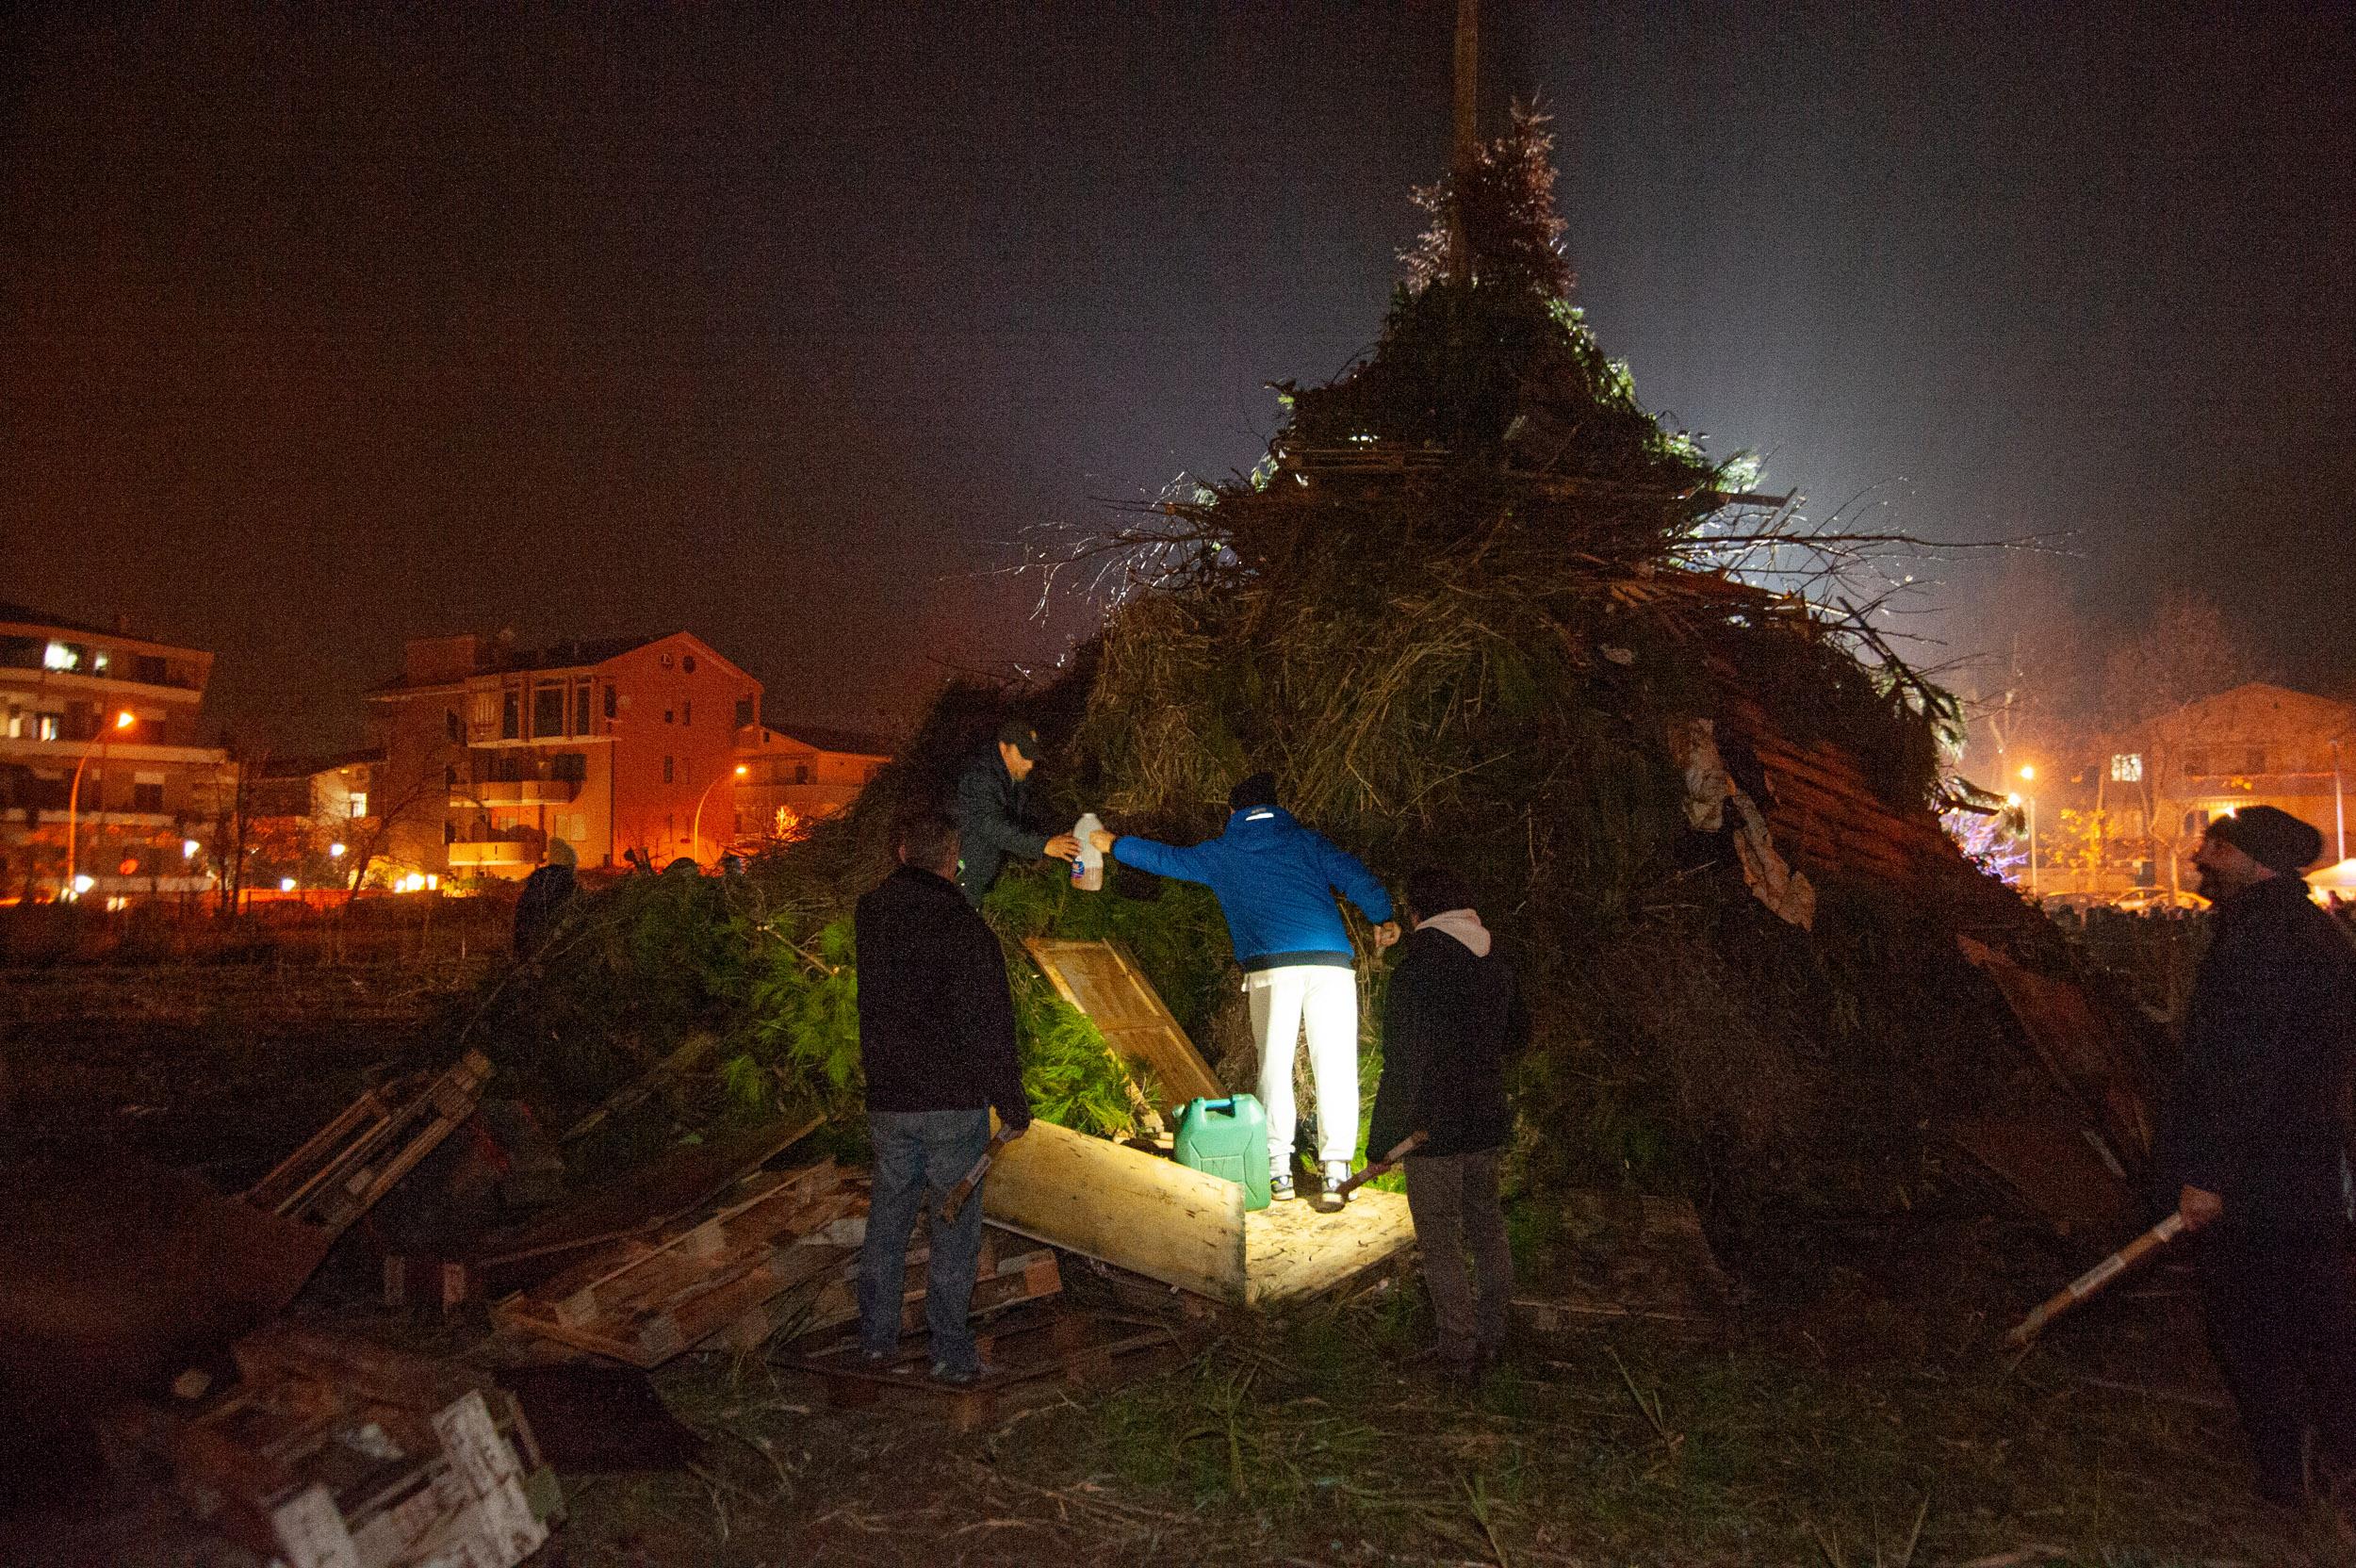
pixel 335 852
pixel 285 884
pixel 696 830
pixel 189 848
pixel 76 886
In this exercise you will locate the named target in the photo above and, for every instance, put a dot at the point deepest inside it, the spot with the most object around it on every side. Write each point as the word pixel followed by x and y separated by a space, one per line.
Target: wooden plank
pixel 1292 1253
pixel 1134 1211
pixel 677 1184
pixel 1102 980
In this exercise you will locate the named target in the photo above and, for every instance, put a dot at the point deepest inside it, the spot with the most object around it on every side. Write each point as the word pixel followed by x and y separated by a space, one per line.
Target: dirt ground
pixel 1857 1410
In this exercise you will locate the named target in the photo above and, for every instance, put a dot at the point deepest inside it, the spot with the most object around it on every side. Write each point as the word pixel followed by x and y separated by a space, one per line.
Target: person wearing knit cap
pixel 1275 881
pixel 1452 1018
pixel 2252 1150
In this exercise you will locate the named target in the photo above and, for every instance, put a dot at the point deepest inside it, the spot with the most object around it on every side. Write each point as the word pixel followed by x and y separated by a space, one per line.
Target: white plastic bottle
pixel 1088 872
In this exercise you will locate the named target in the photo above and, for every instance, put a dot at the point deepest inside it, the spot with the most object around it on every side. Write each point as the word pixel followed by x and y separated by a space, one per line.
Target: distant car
pixel 2152 901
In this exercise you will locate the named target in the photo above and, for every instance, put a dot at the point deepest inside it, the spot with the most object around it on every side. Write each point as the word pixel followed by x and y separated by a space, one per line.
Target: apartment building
pixel 622 746
pixel 106 790
pixel 787 779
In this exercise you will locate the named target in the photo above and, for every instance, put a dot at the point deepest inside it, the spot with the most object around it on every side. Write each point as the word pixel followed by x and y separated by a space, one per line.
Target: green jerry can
pixel 1227 1137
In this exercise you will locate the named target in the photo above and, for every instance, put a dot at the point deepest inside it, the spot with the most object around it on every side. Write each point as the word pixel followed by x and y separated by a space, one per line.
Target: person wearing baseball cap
pixel 2251 1151
pixel 993 812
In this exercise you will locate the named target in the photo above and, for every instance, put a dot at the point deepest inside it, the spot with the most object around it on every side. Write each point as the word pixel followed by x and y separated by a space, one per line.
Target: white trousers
pixel 1324 999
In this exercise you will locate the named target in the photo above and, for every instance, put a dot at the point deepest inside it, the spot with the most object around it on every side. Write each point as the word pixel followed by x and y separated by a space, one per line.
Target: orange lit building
pixel 123 712
pixel 618 747
pixel 794 777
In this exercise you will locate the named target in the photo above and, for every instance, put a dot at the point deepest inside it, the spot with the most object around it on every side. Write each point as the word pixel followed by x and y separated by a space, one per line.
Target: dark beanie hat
pixel 2273 838
pixel 1259 789
pixel 1435 891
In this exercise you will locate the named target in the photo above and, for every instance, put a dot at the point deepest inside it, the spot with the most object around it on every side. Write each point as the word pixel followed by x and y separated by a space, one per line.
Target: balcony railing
pixel 517 792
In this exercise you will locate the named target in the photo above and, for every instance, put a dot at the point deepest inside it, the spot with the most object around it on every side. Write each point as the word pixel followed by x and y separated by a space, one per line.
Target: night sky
pixel 780 325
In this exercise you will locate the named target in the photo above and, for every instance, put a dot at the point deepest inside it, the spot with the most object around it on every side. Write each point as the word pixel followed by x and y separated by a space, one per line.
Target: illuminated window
pixel 359 803
pixel 46 725
pixel 60 656
pixel 2127 767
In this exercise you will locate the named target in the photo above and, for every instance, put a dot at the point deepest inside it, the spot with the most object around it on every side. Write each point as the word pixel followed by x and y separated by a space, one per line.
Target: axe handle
pixel 1407 1145
pixel 957 1195
pixel 2092 1282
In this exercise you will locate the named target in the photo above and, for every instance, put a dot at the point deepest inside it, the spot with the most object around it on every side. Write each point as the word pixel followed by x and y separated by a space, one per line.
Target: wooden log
pixel 1134 1211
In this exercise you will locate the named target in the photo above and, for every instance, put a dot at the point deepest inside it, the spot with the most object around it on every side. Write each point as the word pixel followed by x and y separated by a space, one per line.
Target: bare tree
pixel 2186 652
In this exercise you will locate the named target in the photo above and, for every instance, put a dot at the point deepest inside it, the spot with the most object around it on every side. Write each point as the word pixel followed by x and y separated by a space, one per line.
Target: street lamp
pixel 123 720
pixel 696 830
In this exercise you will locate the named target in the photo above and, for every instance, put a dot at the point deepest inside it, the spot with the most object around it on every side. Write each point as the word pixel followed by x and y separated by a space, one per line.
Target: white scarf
pixel 1464 925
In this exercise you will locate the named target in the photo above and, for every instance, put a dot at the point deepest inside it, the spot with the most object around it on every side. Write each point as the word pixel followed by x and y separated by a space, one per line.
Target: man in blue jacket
pixel 1275 881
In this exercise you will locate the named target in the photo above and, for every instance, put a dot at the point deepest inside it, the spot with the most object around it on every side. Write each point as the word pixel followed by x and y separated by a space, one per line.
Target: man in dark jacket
pixel 1451 1019
pixel 936 1037
pixel 2252 1150
pixel 1275 882
pixel 993 821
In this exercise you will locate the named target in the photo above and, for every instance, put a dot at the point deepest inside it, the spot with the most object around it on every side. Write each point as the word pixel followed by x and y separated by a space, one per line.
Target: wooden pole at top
pixel 1465 145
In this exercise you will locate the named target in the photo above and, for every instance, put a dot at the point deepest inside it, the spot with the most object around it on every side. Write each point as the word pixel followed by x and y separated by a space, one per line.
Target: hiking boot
pixel 1279 1187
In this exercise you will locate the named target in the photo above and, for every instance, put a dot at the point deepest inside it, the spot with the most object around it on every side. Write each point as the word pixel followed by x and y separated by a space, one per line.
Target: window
pixel 801 772
pixel 147 797
pixel 744 711
pixel 688 663
pixel 687 713
pixel 2126 767
pixel 511 714
pixel 611 702
pixel 450 832
pixel 449 776
pixel 570 767
pixel 62 656
pixel 47 726
pixel 100 661
pixel 547 710
pixel 450 725
pixel 581 707
pixel 669 714
pixel 359 803
pixel 666 771
pixel 150 670
pixel 2195 823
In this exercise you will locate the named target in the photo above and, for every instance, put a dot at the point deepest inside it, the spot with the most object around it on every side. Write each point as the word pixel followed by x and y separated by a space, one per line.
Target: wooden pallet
pixel 643 1300
pixel 339 1174
pixel 1011 1273
pixel 1026 1352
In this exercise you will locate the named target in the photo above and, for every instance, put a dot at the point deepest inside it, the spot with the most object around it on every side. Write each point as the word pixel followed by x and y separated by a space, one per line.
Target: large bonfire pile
pixel 1469 611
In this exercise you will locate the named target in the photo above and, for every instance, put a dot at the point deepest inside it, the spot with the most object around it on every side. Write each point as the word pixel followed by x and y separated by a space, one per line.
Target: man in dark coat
pixel 994 821
pixel 2252 1149
pixel 547 894
pixel 1452 1018
pixel 936 1036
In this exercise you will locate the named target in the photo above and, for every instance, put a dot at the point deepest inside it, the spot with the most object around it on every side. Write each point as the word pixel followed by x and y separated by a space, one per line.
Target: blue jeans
pixel 919 1156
